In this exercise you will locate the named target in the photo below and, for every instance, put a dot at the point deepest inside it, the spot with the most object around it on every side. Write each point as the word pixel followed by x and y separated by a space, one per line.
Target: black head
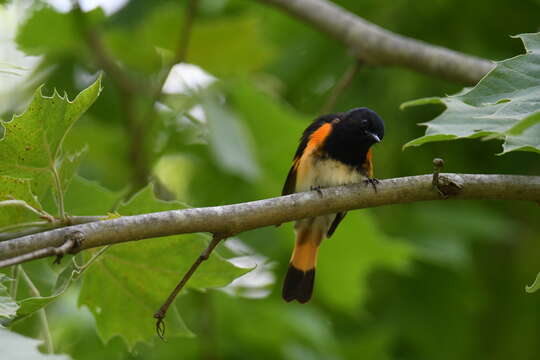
pixel 364 124
pixel 353 133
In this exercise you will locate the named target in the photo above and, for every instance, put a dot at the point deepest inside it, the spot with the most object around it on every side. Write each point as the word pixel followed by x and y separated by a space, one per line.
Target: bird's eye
pixel 364 122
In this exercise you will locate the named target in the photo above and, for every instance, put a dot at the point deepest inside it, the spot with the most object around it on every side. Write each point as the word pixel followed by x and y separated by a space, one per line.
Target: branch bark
pixel 236 218
pixel 378 46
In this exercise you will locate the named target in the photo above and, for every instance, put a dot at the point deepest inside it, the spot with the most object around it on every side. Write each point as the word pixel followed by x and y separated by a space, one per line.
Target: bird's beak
pixel 374 136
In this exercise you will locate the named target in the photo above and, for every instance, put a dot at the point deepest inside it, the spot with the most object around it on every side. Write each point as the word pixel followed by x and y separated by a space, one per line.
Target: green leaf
pixel 504 104
pixel 85 197
pixel 242 48
pixel 70 165
pixel 30 305
pixel 32 142
pixel 230 140
pixel 157 26
pixel 47 31
pixel 15 188
pixel 142 274
pixel 529 140
pixel 8 306
pixel 348 258
pixel 423 101
pixel 18 347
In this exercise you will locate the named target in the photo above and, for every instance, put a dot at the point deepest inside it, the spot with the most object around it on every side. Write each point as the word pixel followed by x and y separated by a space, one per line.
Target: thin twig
pixel 73 240
pixel 42 314
pixel 59 192
pixel 138 123
pixel 343 83
pixel 185 34
pixel 42 226
pixel 128 91
pixel 179 55
pixel 121 78
pixel 160 314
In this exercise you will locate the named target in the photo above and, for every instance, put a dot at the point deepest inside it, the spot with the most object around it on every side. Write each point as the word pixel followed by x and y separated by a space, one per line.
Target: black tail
pixel 298 285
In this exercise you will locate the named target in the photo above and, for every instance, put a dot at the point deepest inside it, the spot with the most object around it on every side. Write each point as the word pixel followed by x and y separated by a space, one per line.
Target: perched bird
pixel 334 150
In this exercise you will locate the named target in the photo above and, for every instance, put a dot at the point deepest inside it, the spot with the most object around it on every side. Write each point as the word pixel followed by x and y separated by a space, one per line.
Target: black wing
pixel 290 183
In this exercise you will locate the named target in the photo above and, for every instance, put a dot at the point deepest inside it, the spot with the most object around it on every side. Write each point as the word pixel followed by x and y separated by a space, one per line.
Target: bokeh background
pixel 441 280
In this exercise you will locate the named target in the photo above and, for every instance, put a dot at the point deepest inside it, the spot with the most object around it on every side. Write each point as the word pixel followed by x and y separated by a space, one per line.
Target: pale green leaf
pixel 30 305
pixel 8 306
pixel 85 197
pixel 32 142
pixel 230 140
pixel 242 48
pixel 504 104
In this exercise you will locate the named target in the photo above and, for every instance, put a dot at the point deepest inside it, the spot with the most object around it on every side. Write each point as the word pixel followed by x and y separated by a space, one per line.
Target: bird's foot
pixel 317 189
pixel 373 182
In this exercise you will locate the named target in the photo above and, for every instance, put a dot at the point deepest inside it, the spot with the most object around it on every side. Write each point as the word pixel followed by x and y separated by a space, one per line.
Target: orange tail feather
pixel 298 284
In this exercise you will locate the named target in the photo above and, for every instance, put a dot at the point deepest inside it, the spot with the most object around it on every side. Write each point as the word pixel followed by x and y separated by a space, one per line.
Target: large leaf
pixel 32 142
pixel 18 347
pixel 504 104
pixel 140 275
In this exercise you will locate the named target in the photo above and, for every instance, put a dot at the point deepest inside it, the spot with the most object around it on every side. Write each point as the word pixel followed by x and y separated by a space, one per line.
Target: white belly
pixel 325 173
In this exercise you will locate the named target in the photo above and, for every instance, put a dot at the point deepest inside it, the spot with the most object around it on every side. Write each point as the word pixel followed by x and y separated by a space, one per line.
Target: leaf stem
pixel 42 314
pixel 25 205
pixel 23 225
pixel 94 257
pixel 59 192
pixel 15 275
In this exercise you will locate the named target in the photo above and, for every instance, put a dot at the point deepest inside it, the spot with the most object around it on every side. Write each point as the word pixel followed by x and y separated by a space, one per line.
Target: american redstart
pixel 334 150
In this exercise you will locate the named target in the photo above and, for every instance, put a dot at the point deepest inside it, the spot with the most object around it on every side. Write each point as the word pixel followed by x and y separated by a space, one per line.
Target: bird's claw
pixel 373 182
pixel 317 189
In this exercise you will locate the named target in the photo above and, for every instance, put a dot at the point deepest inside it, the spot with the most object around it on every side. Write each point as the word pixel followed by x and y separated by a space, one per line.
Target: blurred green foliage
pixel 442 280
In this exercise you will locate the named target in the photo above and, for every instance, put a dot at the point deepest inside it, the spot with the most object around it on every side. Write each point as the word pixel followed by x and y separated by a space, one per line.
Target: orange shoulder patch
pixel 318 137
pixel 302 165
pixel 368 164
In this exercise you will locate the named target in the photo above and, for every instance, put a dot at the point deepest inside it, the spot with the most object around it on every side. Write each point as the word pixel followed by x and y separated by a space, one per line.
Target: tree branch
pixel 378 46
pixel 236 218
